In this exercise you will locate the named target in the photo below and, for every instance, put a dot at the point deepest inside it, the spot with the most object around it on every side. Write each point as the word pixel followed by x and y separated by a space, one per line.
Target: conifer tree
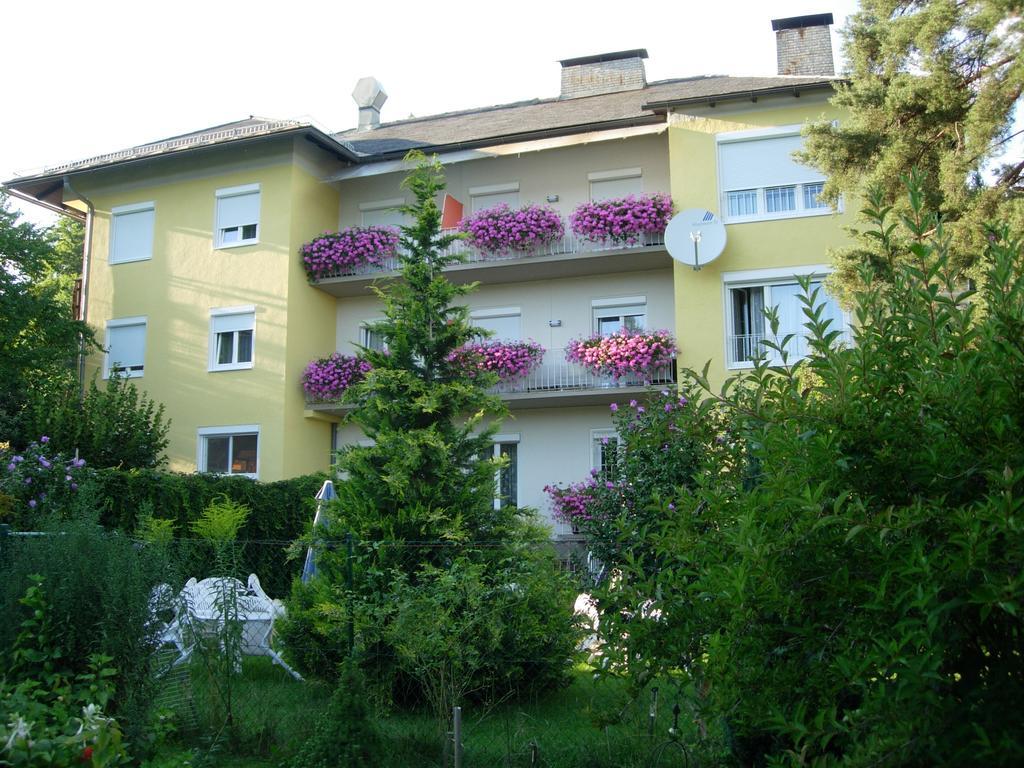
pixel 932 86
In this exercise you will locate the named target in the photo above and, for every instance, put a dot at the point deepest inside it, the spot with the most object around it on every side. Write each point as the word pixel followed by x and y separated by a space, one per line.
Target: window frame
pixel 760 193
pixel 766 279
pixel 621 304
pixel 619 174
pixel 597 436
pixel 497 441
pixel 240 430
pixel 212 365
pixel 493 191
pixel 122 322
pixel 124 211
pixel 243 190
pixel 364 335
pixel 492 313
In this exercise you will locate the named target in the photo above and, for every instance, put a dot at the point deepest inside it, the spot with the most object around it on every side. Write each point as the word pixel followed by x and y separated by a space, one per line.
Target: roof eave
pixel 661 107
pixel 315 135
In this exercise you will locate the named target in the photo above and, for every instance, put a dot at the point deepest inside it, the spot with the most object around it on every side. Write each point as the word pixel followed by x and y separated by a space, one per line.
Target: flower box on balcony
pixel 325 380
pixel 346 251
pixel 502 230
pixel 623 353
pixel 509 359
pixel 622 221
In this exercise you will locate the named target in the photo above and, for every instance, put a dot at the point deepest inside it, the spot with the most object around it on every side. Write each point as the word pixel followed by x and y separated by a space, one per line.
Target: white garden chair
pixel 202 609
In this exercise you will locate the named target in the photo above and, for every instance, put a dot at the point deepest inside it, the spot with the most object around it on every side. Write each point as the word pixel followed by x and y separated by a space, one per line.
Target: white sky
pixel 88 78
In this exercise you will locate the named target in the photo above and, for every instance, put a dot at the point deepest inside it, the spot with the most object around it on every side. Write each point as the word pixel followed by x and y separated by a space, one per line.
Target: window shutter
pixel 764 162
pixel 225 323
pixel 613 189
pixel 132 236
pixel 383 217
pixel 238 210
pixel 127 345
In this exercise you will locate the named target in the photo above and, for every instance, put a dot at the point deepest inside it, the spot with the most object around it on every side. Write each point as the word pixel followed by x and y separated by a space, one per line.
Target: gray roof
pixel 454 130
pixel 478 127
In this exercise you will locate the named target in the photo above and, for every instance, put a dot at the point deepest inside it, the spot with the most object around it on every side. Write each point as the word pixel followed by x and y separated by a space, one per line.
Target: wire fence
pixel 468 653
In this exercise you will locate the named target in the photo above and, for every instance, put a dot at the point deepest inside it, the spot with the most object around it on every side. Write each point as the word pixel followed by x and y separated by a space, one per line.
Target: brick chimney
pixel 603 73
pixel 804 45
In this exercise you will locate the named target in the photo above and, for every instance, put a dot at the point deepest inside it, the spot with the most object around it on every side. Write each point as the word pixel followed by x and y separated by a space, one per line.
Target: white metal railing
pixel 556 374
pixel 744 348
pixel 568 244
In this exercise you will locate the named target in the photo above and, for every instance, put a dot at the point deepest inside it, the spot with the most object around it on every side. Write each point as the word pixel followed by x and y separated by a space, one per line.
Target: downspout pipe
pixel 90 212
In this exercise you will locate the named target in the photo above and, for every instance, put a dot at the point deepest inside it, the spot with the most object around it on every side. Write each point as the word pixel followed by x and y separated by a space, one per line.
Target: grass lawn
pixel 273 714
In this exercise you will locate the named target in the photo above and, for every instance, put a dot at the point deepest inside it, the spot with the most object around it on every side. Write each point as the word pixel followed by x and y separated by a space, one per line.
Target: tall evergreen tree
pixel 933 85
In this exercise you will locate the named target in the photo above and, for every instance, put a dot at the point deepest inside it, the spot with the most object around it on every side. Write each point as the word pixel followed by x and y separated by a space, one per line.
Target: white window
pixel 383 213
pixel 613 315
pixel 372 339
pixel 229 450
pixel 604 453
pixel 505 323
pixel 494 194
pixel 506 479
pixel 126 347
pixel 231 338
pixel 238 216
pixel 131 232
pixel 748 295
pixel 760 179
pixel 612 185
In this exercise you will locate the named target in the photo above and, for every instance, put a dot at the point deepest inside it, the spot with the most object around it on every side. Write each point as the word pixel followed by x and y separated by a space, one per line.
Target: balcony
pixel 557 382
pixel 571 256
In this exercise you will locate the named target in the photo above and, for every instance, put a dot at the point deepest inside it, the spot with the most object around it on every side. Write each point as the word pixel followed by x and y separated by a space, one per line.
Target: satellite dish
pixel 695 237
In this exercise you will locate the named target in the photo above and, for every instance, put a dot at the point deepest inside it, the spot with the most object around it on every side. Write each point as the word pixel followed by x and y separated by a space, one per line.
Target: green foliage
pixel 39 482
pixel 933 86
pixel 221 521
pixel 112 426
pixel 852 592
pixel 39 340
pixel 50 714
pixel 345 735
pixel 421 500
pixel 98 588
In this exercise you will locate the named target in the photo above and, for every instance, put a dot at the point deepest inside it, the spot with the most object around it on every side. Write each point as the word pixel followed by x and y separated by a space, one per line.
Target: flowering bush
pixel 622 220
pixel 508 359
pixel 327 379
pixel 347 250
pixel 37 479
pixel 623 352
pixel 500 229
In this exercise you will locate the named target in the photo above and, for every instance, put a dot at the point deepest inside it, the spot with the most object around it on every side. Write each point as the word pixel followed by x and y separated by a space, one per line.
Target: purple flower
pixel 349 251
pixel 32 503
pixel 500 229
pixel 623 221
pixel 640 409
pixel 44 439
pixel 671 506
pixel 44 462
pixel 614 407
pixel 11 467
pixel 632 403
pixel 326 379
pixel 74 486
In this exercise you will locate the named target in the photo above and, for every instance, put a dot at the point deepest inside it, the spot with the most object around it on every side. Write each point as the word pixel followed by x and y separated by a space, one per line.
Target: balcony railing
pixel 556 374
pixel 744 348
pixel 567 245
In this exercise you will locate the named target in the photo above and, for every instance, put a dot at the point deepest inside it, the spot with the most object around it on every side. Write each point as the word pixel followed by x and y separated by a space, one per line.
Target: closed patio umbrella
pixel 324 495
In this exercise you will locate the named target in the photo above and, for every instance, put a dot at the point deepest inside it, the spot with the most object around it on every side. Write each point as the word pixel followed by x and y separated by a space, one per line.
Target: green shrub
pixel 51 702
pixel 98 587
pixel 846 585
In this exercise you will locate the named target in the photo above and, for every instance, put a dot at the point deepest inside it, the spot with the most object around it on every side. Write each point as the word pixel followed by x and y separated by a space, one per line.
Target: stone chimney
pixel 370 97
pixel 804 45
pixel 603 73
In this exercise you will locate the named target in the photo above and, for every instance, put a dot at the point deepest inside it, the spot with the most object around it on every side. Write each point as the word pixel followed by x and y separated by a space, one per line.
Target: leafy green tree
pixel 112 426
pixel 419 507
pixel 932 85
pixel 851 594
pixel 39 339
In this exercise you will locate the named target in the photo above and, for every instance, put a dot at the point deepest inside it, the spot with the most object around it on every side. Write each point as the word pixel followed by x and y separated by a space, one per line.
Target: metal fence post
pixel 457 734
pixel 348 584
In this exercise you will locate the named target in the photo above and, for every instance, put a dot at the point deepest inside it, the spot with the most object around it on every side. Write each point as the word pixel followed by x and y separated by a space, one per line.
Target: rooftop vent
pixel 603 73
pixel 369 95
pixel 804 45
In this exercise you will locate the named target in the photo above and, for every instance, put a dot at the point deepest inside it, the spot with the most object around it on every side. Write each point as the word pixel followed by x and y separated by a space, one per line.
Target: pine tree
pixel 423 477
pixel 933 87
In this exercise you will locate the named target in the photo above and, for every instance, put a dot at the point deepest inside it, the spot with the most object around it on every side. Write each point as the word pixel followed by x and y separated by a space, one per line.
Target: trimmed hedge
pixel 281 512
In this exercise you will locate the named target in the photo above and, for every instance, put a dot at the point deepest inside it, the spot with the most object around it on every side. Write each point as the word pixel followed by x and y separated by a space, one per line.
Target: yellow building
pixel 193 280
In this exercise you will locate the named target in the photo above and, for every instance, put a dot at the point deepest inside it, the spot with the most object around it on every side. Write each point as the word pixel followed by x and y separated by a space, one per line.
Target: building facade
pixel 192 279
